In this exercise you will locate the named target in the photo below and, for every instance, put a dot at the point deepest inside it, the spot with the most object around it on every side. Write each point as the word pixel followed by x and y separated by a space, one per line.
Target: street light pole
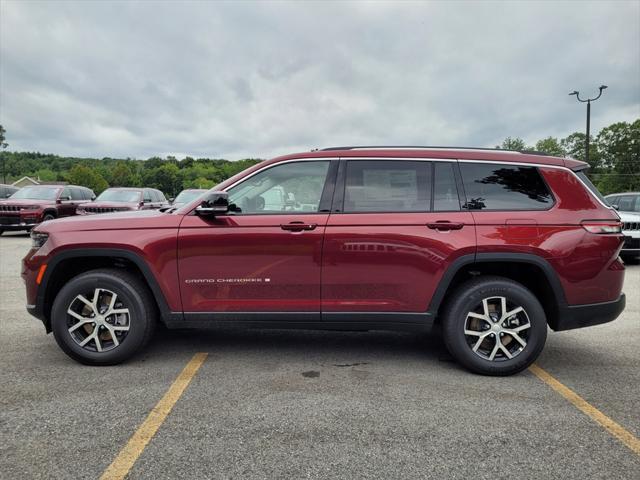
pixel 588 102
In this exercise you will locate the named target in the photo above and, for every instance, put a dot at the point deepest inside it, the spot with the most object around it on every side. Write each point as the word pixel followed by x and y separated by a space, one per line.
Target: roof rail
pixel 419 147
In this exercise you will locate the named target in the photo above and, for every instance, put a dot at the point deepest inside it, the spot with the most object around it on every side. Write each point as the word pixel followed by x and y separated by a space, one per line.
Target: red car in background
pixel 32 205
pixel 119 199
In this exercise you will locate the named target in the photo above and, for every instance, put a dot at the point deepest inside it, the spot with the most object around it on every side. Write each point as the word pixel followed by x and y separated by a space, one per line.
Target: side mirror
pixel 63 199
pixel 616 207
pixel 214 203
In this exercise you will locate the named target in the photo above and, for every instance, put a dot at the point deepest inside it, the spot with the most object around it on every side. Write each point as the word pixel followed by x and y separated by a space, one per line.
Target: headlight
pixel 31 207
pixel 38 239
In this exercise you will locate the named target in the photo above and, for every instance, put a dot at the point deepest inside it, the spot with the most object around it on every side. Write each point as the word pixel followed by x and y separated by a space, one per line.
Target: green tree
pixel 166 178
pixel 619 150
pixel 514 143
pixel 574 147
pixel 85 176
pixel 121 175
pixel 551 146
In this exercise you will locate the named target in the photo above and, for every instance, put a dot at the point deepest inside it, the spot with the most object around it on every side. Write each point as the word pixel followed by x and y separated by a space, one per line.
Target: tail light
pixel 600 228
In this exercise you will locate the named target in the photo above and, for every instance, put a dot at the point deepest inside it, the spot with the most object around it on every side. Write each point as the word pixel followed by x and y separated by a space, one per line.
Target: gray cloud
pixel 258 79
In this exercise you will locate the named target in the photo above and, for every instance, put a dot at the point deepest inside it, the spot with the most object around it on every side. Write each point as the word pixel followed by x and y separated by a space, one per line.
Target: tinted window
pixel 290 187
pixel 504 187
pixel 387 186
pixel 147 196
pixel 161 197
pixel 76 193
pixel 445 192
pixel 612 200
pixel 627 203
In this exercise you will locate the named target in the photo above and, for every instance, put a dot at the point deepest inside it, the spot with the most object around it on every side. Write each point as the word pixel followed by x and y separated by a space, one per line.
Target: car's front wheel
pixel 494 326
pixel 103 317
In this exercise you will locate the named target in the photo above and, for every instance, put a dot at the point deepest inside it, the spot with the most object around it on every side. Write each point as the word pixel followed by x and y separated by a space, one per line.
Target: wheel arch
pixel 66 265
pixel 532 271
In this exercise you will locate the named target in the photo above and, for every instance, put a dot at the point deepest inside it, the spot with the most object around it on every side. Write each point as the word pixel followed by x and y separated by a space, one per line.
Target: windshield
pixel 186 196
pixel 36 193
pixel 130 196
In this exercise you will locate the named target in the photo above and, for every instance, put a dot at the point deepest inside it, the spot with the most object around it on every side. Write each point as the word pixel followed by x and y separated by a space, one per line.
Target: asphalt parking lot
pixel 275 404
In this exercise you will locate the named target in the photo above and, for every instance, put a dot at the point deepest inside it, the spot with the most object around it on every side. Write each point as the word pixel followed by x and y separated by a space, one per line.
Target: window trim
pixel 554 202
pixel 325 196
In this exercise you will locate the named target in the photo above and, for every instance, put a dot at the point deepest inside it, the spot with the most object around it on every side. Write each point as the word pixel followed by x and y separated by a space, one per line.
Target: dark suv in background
pixel 495 246
pixel 120 199
pixel 29 206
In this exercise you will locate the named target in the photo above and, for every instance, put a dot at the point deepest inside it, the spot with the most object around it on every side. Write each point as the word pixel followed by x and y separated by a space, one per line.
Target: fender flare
pixel 136 259
pixel 466 260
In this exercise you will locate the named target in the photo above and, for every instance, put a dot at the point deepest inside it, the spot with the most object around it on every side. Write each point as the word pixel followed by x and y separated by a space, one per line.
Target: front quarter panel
pixel 151 238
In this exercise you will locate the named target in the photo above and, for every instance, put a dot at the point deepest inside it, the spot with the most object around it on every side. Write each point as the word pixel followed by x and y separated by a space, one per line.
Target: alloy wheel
pixel 497 329
pixel 100 324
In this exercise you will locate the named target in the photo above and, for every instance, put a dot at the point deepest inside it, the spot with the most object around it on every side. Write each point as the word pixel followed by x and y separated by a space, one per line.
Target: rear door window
pixel 147 196
pixel 387 186
pixel 491 186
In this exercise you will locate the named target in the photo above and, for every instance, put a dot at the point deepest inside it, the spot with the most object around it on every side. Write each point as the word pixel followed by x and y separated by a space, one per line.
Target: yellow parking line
pixel 615 429
pixel 120 467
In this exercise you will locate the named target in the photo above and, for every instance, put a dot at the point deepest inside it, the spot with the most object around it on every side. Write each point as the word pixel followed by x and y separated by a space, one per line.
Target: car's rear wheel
pixel 494 326
pixel 103 317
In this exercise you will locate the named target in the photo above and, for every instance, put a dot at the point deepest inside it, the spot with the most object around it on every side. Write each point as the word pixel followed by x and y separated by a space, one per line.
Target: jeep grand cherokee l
pixel 493 245
pixel 29 206
pixel 121 199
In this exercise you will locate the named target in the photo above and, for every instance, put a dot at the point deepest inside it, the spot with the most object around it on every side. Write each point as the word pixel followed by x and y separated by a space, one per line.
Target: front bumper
pixel 16 227
pixel 579 316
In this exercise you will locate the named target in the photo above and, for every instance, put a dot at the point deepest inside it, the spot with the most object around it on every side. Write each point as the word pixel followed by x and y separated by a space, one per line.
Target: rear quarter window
pixel 490 186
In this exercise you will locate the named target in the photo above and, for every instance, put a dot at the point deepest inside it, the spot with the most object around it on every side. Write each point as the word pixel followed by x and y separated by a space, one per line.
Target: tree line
pixel 614 160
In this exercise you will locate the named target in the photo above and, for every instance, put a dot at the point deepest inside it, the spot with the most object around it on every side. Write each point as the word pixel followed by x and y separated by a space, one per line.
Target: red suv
pixel 29 206
pixel 492 245
pixel 122 199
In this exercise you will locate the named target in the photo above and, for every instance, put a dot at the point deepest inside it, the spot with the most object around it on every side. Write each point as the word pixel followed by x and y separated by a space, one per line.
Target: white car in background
pixel 628 206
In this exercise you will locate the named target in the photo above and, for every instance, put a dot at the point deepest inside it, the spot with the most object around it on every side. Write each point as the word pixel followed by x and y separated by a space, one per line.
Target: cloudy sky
pixel 237 79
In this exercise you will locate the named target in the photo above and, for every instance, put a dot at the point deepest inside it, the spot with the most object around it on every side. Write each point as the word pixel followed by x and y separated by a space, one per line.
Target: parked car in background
pixel 625 202
pixel 495 246
pixel 186 196
pixel 628 206
pixel 29 206
pixel 7 190
pixel 120 199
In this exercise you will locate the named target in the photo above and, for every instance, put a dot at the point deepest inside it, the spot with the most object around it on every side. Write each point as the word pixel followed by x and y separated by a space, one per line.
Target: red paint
pixel 391 262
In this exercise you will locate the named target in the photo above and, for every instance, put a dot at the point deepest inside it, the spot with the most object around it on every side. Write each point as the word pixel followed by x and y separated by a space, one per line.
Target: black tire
pixel 468 298
pixel 1 231
pixel 48 216
pixel 134 295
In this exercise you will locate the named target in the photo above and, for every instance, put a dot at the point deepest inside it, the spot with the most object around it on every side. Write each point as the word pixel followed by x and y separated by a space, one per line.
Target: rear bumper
pixel 579 316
